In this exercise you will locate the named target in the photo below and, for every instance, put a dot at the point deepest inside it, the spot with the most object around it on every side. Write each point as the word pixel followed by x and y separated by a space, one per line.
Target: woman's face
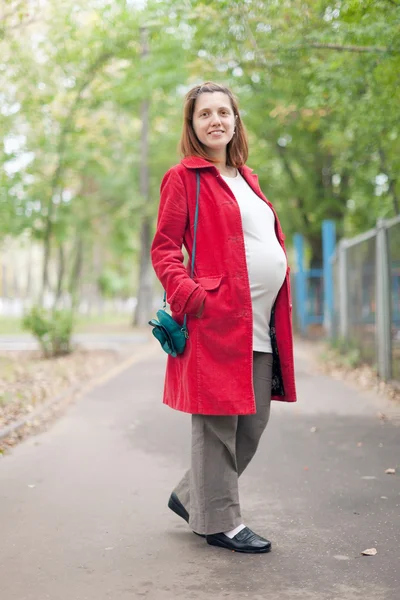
pixel 214 120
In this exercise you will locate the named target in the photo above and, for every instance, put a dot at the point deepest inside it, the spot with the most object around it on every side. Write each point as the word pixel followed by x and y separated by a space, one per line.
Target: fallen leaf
pixel 370 552
pixel 390 471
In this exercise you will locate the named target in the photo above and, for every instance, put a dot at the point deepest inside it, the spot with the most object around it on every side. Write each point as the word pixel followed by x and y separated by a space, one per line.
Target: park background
pixel 90 116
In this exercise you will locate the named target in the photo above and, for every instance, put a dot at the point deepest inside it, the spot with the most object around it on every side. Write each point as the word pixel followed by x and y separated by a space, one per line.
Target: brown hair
pixel 237 150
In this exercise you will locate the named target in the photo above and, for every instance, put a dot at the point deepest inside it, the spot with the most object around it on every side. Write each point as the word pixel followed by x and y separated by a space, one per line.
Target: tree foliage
pixel 318 84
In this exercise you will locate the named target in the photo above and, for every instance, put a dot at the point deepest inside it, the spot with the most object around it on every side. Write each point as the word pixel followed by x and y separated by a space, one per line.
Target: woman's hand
pixel 201 310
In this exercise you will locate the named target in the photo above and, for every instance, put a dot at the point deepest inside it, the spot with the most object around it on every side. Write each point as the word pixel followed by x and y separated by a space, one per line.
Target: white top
pixel 266 260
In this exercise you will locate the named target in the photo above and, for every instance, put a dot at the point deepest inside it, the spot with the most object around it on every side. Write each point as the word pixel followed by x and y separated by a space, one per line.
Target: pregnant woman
pixel 239 354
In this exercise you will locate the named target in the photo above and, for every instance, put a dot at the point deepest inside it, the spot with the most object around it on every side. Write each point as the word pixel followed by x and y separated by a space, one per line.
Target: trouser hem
pixel 217 526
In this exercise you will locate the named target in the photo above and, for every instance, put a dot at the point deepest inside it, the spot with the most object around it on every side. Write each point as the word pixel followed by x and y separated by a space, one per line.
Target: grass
pixel 107 323
pixel 10 326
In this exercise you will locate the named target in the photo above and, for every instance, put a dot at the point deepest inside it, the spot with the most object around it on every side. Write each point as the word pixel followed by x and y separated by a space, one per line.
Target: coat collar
pixel 195 162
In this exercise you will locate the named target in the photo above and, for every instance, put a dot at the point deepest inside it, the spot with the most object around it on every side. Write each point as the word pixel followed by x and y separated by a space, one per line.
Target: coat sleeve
pixel 183 294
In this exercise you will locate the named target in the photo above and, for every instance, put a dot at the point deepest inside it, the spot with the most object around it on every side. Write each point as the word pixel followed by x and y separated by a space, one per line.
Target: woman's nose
pixel 215 120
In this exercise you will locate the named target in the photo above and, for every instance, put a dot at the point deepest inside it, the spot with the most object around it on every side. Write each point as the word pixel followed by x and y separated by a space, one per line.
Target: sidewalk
pixel 83 506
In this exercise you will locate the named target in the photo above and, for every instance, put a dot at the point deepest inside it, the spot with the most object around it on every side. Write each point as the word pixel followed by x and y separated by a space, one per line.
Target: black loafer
pixel 244 541
pixel 177 507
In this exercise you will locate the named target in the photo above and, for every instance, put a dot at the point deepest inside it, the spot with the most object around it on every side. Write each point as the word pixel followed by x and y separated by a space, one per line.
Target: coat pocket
pixel 211 284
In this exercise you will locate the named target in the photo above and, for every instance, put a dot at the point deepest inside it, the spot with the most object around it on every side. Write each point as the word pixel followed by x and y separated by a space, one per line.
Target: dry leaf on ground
pixel 27 381
pixel 370 552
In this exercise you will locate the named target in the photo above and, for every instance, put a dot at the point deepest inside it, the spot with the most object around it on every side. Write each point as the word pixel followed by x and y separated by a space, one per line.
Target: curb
pixel 138 355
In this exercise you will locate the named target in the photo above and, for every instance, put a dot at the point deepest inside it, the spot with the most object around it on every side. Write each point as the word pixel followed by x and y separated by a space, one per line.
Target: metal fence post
pixel 383 303
pixel 301 283
pixel 328 249
pixel 343 290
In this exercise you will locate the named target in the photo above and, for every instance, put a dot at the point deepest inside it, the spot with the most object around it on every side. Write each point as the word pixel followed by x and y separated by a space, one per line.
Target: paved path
pixel 83 511
pixel 85 340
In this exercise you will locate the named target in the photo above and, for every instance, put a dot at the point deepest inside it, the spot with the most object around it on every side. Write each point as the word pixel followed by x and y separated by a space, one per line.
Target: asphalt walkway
pixel 83 512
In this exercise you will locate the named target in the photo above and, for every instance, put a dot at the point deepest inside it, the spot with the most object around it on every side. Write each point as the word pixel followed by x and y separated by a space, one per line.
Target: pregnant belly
pixel 267 270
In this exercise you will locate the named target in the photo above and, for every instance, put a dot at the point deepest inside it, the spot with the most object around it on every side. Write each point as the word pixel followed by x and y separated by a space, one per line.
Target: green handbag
pixel 166 330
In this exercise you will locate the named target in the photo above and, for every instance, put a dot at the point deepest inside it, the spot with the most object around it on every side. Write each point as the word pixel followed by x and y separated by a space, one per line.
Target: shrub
pixel 52 329
pixel 346 352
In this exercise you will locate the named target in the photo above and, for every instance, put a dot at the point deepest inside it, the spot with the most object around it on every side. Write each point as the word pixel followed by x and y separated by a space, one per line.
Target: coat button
pixel 176 307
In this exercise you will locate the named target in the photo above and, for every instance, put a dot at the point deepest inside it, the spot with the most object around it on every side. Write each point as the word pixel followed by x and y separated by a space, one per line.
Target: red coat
pixel 213 376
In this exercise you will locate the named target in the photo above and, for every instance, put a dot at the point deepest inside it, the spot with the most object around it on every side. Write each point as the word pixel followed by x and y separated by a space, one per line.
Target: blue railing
pixel 313 288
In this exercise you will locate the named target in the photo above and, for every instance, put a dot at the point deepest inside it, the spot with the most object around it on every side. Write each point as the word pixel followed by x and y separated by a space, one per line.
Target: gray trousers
pixel 222 447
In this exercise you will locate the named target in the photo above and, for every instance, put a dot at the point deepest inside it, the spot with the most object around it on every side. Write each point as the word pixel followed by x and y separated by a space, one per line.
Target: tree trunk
pixel 145 284
pixel 76 274
pixel 47 251
pixel 28 288
pixel 60 274
pixel 391 182
pixel 59 170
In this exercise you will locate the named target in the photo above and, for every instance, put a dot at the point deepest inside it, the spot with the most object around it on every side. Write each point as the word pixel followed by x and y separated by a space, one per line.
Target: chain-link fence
pixel 366 274
pixel 394 267
pixel 361 286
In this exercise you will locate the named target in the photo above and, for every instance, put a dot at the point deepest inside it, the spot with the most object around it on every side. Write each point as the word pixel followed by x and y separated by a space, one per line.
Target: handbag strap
pixel 196 218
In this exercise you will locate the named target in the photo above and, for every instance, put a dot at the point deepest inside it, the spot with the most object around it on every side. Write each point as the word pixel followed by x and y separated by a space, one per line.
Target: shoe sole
pixel 177 507
pixel 222 545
